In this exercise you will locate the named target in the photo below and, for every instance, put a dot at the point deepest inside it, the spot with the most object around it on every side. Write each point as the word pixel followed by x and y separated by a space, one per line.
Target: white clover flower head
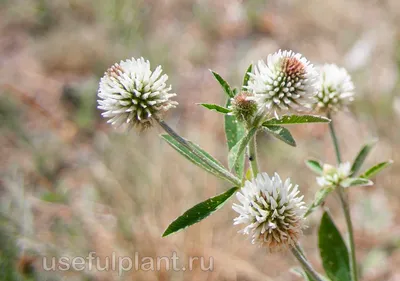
pixel 272 212
pixel 334 176
pixel 286 82
pixel 335 88
pixel 131 93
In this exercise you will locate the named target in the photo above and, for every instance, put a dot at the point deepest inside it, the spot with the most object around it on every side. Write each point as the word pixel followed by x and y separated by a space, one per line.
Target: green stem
pixel 253 155
pixel 335 140
pixel 345 206
pixel 223 173
pixel 346 211
pixel 307 267
pixel 300 249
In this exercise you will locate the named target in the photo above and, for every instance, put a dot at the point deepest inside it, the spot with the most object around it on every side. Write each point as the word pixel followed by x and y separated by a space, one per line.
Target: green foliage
pixel 247 77
pixel 320 197
pixel 216 107
pixel 225 86
pixel 8 254
pixel 199 212
pixel 55 197
pixel 216 169
pixel 280 133
pixel 10 116
pixel 371 172
pixel 333 251
pixel 235 154
pixel 361 156
pixel 356 182
pixel 296 119
pixel 234 132
pixel 314 166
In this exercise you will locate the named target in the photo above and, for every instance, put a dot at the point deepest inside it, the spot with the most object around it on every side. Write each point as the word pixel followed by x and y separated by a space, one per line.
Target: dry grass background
pixel 70 184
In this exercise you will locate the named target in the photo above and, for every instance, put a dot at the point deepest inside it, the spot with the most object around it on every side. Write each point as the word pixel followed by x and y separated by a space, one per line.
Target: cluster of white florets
pixel 271 210
pixel 286 82
pixel 131 93
pixel 333 176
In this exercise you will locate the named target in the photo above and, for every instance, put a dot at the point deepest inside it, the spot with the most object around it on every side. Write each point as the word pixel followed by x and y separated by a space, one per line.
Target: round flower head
pixel 271 210
pixel 335 88
pixel 285 83
pixel 334 176
pixel 131 93
pixel 243 108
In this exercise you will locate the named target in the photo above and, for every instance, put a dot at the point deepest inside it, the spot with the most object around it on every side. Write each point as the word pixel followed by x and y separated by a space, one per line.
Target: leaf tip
pixel 166 233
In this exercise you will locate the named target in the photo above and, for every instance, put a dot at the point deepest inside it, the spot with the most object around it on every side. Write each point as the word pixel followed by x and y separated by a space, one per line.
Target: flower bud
pixel 243 108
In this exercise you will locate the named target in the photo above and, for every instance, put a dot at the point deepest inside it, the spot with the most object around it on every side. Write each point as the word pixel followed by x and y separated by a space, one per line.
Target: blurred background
pixel 70 184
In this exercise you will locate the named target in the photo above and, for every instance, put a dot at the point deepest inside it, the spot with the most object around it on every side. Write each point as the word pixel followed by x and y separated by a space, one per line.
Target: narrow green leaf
pixel 356 182
pixel 333 250
pixel 319 198
pixel 215 170
pixel 281 133
pixel 225 86
pixel 234 132
pixel 314 166
pixel 361 156
pixel 215 107
pixel 205 154
pixel 199 212
pixel 238 150
pixel 296 119
pixel 376 169
pixel 247 77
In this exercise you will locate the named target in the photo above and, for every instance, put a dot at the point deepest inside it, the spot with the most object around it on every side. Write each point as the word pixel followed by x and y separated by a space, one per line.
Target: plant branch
pixel 335 140
pixel 307 267
pixel 345 206
pixel 253 155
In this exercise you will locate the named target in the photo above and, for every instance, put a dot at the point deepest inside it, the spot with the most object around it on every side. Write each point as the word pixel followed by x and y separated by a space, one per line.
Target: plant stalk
pixel 307 267
pixel 225 174
pixel 345 206
pixel 253 155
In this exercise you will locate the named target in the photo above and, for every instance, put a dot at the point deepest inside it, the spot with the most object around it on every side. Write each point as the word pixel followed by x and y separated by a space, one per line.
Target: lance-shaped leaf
pixel 356 182
pixel 281 133
pixel 199 212
pixel 296 119
pixel 247 77
pixel 234 132
pixel 216 107
pixel 320 197
pixel 235 92
pixel 361 156
pixel 238 150
pixel 314 166
pixel 333 250
pixel 376 169
pixel 225 86
pixel 216 168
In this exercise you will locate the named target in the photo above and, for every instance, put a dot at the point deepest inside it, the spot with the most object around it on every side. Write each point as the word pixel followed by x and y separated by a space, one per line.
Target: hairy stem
pixel 345 206
pixel 253 155
pixel 223 173
pixel 335 140
pixel 307 267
